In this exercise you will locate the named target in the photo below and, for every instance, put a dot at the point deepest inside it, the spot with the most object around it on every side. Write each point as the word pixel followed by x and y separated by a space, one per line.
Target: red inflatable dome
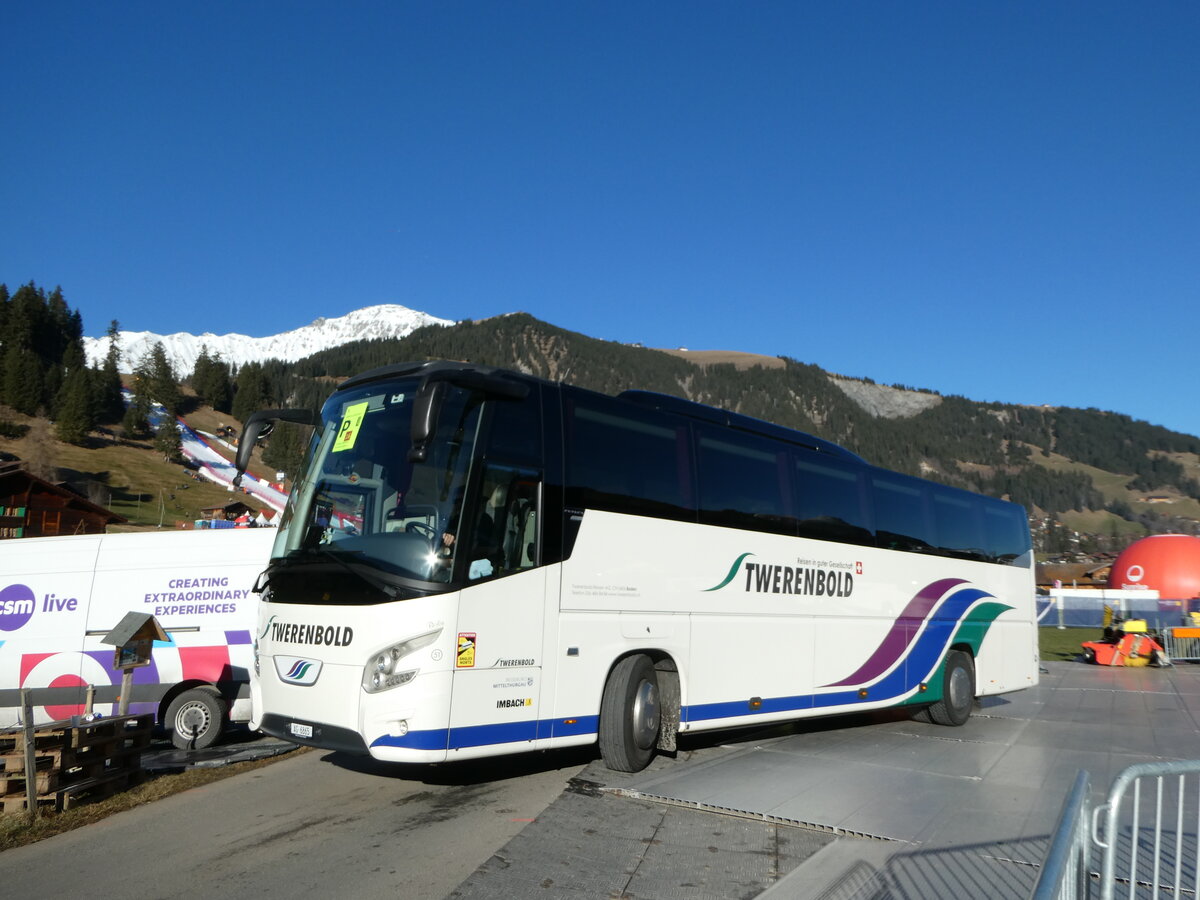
pixel 1168 563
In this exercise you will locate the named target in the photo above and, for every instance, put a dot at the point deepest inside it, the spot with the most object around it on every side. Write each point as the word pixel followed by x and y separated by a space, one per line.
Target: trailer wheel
pixel 958 690
pixel 196 718
pixel 630 715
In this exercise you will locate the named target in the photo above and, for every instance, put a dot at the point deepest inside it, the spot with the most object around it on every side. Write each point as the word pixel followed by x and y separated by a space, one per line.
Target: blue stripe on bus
pixel 487 735
pixel 916 667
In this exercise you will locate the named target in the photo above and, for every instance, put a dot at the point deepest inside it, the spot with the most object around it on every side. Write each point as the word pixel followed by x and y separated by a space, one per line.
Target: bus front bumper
pixel 313 734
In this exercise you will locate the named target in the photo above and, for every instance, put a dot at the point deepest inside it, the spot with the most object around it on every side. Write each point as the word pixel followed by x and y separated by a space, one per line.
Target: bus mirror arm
pixel 259 425
pixel 432 393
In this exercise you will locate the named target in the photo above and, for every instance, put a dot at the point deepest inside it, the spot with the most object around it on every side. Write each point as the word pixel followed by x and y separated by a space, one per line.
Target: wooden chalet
pixel 33 507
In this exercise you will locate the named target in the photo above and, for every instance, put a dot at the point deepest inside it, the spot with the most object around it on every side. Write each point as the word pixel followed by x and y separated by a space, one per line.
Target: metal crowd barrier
pixel 1065 874
pixel 1140 843
pixel 1182 644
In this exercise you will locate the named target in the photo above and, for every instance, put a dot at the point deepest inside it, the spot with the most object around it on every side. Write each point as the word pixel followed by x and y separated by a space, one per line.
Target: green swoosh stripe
pixel 737 564
pixel 975 626
pixel 971 630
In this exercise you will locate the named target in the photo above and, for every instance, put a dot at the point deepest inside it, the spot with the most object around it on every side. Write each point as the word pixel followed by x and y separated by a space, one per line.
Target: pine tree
pixel 24 310
pixel 252 392
pixel 136 421
pixel 76 412
pixel 220 385
pixel 284 452
pixel 22 381
pixel 200 371
pixel 110 400
pixel 166 440
pixel 164 388
pixel 211 381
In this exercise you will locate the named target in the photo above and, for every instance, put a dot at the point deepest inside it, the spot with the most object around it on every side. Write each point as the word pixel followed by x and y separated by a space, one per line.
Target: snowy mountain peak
pixel 383 321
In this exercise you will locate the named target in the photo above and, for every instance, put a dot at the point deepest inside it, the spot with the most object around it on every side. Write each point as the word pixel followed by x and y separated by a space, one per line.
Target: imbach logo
pixel 775 579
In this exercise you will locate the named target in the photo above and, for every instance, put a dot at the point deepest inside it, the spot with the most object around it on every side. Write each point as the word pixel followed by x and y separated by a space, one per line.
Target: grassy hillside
pixel 128 477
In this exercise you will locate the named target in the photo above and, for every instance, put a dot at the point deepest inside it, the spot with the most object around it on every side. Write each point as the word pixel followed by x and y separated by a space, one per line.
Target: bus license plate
pixel 300 731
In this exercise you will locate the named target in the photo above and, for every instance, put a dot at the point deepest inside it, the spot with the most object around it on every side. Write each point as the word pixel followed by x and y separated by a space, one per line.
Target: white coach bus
pixel 476 562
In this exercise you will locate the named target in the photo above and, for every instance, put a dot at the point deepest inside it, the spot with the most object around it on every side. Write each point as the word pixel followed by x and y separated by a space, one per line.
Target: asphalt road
pixel 314 824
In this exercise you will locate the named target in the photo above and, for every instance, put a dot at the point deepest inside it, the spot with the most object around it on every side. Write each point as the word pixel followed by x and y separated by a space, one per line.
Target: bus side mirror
pixel 259 425
pixel 426 406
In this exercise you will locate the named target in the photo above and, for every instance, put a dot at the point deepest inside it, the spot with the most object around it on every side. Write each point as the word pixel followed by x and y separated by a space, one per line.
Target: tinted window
pixel 829 500
pixel 900 520
pixel 1006 532
pixel 959 523
pixel 743 481
pixel 626 459
pixel 501 538
pixel 516 432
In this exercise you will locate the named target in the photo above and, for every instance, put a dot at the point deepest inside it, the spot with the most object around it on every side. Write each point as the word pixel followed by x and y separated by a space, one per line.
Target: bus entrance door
pixel 498 670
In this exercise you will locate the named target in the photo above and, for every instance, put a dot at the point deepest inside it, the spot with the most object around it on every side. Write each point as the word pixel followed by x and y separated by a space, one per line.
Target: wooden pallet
pixel 92 789
pixel 13 742
pixel 75 763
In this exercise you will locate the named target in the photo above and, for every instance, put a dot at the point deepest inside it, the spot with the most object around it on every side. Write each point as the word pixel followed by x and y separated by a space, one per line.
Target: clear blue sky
pixel 995 199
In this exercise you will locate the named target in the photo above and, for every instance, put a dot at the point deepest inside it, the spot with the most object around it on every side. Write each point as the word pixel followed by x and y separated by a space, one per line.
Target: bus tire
pixel 958 690
pixel 630 716
pixel 196 718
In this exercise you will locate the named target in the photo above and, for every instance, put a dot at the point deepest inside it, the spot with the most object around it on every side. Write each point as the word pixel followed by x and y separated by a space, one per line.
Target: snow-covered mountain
pixel 384 321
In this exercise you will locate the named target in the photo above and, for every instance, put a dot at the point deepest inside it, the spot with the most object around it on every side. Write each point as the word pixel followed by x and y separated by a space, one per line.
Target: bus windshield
pixel 361 506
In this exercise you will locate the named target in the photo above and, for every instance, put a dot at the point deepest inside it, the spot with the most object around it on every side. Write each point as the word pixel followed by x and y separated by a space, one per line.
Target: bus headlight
pixel 383 671
pixel 257 668
pixel 385 662
pixel 380 682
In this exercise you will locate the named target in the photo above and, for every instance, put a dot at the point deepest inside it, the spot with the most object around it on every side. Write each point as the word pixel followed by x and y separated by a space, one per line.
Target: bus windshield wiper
pixel 363 572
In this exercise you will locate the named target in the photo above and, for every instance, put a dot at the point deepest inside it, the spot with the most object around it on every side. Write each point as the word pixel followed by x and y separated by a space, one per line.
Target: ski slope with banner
pixel 210 464
pixel 215 467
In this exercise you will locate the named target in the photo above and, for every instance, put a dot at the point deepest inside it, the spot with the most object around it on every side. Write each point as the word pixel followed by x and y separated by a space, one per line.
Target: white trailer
pixel 59 596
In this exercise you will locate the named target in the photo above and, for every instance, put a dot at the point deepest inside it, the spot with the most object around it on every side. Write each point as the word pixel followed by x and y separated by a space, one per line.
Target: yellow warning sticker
pixel 466 651
pixel 351 424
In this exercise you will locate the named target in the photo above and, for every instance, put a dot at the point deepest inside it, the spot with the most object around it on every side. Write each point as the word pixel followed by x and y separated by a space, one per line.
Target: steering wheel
pixel 421 528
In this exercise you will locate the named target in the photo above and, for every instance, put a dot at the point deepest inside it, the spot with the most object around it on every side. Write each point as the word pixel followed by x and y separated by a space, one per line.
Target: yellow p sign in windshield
pixel 351 424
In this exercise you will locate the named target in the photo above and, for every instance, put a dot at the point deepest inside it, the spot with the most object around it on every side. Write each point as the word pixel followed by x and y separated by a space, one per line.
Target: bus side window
pixel 901 522
pixel 504 539
pixel 829 500
pixel 626 459
pixel 520 524
pixel 959 525
pixel 1006 531
pixel 743 481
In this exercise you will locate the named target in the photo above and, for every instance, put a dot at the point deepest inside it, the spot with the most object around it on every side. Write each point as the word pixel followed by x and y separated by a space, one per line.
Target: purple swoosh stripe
pixel 902 633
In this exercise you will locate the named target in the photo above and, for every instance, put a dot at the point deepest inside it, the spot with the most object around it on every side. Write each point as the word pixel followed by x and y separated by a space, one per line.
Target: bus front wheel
pixel 958 690
pixel 630 715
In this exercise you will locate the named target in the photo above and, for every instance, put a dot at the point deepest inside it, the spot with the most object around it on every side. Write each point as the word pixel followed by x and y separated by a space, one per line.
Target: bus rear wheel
pixel 630 715
pixel 958 690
